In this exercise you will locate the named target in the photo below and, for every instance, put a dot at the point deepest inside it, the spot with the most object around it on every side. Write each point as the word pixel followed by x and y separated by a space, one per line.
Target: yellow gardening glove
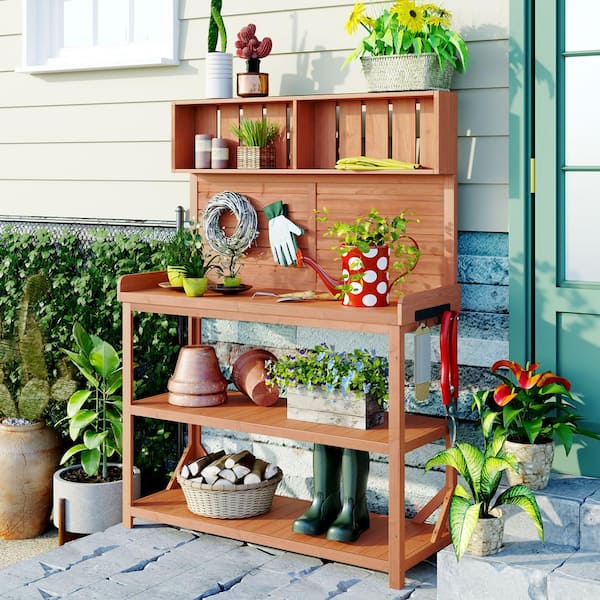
pixel 365 163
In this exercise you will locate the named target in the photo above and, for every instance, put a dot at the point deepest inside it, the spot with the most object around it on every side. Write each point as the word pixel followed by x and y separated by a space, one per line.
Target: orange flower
pixel 526 378
pixel 548 377
pixel 503 394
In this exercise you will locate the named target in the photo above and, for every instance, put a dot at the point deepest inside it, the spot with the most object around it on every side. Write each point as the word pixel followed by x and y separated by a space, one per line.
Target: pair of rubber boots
pixel 345 519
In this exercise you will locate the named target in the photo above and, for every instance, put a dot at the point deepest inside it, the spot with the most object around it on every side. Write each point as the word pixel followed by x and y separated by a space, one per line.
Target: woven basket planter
pixel 405 72
pixel 255 157
pixel 239 502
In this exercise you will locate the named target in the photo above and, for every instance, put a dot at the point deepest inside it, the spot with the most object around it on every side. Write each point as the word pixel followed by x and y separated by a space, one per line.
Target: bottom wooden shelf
pixel 274 529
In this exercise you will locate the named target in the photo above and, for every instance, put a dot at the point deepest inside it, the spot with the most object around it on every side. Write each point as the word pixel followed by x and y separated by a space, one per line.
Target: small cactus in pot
pixel 249 47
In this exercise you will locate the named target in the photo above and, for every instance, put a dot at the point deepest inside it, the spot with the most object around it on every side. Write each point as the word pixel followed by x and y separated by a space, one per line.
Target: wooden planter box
pixel 334 408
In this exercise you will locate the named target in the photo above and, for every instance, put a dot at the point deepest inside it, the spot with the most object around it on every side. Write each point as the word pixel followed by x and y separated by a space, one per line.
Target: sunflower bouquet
pixel 408 28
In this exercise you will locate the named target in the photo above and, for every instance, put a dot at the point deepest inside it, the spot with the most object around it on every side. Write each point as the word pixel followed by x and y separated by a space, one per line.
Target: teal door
pixel 565 212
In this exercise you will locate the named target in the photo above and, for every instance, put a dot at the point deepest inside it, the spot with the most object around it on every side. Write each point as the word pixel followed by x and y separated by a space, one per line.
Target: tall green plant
pixel 216 27
pixel 95 414
pixel 26 350
pixel 255 132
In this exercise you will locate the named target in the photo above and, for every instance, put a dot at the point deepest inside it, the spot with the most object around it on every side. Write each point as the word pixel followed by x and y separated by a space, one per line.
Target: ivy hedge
pixel 84 289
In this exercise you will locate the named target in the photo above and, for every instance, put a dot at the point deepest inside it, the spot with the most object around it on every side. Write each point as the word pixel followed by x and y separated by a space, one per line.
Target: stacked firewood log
pixel 228 470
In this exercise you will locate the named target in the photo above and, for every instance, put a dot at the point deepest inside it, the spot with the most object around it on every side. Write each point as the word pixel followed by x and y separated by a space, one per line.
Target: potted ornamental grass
pixel 29 449
pixel 257 137
pixel 369 246
pixel 94 416
pixel 407 46
pixel 535 409
pixel 475 517
pixel 325 386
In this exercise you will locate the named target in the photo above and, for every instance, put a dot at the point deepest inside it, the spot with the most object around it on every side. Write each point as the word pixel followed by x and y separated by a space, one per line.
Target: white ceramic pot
pixel 91 507
pixel 535 464
pixel 219 75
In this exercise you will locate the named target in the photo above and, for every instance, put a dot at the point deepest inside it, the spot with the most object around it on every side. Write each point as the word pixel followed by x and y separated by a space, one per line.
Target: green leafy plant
pixel 255 132
pixel 321 366
pixel 176 250
pixel 535 406
pixel 186 249
pixel 482 471
pixel 409 28
pixel 95 413
pixel 216 27
pixel 26 351
pixel 376 230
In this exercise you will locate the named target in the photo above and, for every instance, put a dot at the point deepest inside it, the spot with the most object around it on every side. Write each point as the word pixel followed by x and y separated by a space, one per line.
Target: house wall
pixel 96 145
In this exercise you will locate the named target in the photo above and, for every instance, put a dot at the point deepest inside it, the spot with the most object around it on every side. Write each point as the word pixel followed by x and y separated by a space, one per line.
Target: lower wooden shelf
pixel 274 529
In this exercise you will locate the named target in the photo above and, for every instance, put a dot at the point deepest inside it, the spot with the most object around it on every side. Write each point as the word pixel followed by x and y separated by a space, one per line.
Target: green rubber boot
pixel 327 461
pixel 354 516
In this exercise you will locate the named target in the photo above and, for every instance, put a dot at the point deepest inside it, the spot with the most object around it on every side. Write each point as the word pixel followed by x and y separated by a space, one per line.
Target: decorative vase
pixel 253 83
pixel 219 75
pixel 91 507
pixel 197 379
pixel 250 377
pixel 29 454
pixel 535 463
pixel 488 535
pixel 358 411
pixel 176 273
pixel 367 274
pixel 405 72
pixel 195 286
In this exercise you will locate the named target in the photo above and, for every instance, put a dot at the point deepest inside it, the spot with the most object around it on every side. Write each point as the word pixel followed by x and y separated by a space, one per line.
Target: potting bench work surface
pixel 157 561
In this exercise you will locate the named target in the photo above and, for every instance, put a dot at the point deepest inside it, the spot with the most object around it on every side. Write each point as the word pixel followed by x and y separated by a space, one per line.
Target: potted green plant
pixel 94 415
pixel 408 46
pixel 230 267
pixel 338 388
pixel 257 137
pixel 368 247
pixel 249 47
pixel 175 255
pixel 219 65
pixel 475 519
pixel 195 280
pixel 534 409
pixel 29 449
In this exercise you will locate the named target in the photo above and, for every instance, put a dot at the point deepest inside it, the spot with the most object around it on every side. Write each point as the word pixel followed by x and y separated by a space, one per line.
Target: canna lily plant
pixel 481 470
pixel 535 407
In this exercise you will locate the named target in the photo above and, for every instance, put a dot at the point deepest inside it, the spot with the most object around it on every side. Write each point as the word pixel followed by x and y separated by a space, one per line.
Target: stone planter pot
pixel 535 464
pixel 334 408
pixel 488 535
pixel 29 454
pixel 91 507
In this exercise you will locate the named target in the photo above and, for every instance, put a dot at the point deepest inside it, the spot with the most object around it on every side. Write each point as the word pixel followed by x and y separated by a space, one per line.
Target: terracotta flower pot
pixel 197 379
pixel 249 376
pixel 535 464
pixel 29 454
pixel 488 535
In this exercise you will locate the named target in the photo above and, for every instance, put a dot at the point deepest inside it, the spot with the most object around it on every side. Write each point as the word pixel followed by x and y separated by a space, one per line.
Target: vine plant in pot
pixel 29 449
pixel 534 409
pixel 368 247
pixel 476 520
pixel 94 415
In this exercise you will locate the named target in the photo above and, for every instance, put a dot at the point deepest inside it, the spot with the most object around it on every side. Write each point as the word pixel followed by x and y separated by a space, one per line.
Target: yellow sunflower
pixel 356 17
pixel 410 15
pixel 438 21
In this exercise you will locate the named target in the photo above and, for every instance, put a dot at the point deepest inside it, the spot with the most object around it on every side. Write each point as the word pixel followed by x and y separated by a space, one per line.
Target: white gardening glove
pixel 282 234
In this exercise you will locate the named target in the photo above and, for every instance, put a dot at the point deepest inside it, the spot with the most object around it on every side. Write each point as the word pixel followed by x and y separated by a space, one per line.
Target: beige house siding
pixel 96 144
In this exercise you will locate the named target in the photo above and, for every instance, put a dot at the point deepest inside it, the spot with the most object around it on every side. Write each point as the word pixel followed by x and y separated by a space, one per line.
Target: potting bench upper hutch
pixel 410 126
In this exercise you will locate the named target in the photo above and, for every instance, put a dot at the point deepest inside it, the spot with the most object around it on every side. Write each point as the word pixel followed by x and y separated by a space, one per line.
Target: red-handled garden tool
pixel 449 368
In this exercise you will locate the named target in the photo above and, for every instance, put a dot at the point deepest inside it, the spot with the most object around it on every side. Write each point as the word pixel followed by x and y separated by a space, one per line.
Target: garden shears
pixel 449 368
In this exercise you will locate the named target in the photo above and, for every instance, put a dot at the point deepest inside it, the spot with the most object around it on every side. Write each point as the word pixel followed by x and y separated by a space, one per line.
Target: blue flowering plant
pixel 321 367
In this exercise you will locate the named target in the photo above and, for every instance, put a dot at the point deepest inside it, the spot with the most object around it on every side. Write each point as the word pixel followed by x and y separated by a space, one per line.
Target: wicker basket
pixel 239 502
pixel 255 157
pixel 405 72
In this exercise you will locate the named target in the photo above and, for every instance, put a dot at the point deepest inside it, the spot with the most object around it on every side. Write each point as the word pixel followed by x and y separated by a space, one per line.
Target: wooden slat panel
pixel 376 128
pixel 350 128
pixel 325 142
pixel 277 114
pixel 302 144
pixel 230 115
pixel 404 129
pixel 182 140
pixel 252 111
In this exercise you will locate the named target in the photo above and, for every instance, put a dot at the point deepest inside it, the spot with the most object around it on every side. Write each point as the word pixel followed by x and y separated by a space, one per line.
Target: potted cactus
pixel 253 83
pixel 219 64
pixel 29 449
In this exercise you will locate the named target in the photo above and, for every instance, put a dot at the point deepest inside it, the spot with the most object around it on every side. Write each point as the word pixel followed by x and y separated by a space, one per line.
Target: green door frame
pixel 521 151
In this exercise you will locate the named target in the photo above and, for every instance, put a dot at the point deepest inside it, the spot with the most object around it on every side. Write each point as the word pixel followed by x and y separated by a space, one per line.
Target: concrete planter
pixel 535 463
pixel 488 535
pixel 91 507
pixel 29 454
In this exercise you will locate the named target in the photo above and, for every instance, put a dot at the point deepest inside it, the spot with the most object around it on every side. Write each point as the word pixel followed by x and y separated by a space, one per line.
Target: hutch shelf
pixel 411 126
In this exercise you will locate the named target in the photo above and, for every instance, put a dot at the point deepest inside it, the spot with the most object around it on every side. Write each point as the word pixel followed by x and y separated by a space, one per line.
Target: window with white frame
pixel 68 35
